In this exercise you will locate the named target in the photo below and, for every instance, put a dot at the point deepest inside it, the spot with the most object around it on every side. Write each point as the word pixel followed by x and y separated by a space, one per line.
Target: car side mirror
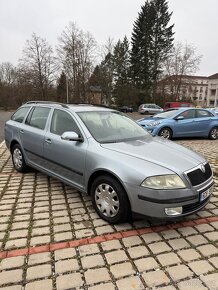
pixel 179 118
pixel 71 136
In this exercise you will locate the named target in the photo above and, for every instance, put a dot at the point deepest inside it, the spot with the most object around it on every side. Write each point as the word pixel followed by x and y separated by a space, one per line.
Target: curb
pixel 103 238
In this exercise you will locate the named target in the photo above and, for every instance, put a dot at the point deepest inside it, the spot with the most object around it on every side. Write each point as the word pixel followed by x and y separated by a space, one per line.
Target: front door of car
pixel 65 158
pixel 32 134
pixel 186 126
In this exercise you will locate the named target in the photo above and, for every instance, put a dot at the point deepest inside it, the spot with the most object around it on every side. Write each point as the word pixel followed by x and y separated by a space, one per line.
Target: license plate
pixel 205 194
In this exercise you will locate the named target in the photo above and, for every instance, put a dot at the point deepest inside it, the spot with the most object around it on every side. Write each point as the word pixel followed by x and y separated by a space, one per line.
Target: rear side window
pixel 20 114
pixel 203 114
pixel 38 117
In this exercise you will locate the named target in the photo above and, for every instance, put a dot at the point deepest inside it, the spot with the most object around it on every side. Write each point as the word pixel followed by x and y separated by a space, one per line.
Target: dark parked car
pixel 126 109
pixel 108 155
pixel 186 122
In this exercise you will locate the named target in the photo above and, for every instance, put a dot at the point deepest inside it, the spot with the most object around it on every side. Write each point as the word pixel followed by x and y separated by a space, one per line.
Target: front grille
pixel 197 176
pixel 194 206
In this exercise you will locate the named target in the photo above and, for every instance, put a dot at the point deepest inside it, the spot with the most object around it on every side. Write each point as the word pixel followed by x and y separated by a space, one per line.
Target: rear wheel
pixel 18 159
pixel 213 134
pixel 110 200
pixel 165 133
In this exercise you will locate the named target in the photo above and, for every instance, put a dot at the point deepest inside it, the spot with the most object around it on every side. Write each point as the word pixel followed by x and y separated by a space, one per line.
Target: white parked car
pixel 149 109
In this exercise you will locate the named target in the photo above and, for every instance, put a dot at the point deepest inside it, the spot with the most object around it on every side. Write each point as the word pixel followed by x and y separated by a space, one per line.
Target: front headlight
pixel 164 182
pixel 153 124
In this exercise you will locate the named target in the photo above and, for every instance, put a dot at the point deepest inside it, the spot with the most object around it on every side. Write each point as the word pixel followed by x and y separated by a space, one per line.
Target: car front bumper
pixel 154 203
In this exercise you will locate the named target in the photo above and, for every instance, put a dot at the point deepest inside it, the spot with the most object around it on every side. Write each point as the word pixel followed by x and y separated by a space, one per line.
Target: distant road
pixel 4 116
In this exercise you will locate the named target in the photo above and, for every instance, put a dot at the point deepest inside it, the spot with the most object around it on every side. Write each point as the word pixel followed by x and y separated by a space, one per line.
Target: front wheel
pixel 213 134
pixel 165 133
pixel 18 159
pixel 110 200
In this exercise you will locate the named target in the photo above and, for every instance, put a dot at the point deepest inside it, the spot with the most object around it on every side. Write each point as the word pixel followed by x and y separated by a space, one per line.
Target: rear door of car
pixel 32 134
pixel 203 119
pixel 64 158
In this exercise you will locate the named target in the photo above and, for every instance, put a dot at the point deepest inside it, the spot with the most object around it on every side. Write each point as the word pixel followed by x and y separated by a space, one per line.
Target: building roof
pixel 215 76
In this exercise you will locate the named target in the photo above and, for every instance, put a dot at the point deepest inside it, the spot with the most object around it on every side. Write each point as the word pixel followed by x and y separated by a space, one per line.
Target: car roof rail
pixel 48 102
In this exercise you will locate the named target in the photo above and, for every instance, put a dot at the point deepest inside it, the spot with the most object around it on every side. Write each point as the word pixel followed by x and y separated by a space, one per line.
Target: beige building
pixel 201 90
pixel 212 100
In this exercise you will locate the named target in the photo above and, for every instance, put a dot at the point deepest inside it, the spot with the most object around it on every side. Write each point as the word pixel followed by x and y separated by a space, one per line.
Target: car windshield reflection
pixel 111 127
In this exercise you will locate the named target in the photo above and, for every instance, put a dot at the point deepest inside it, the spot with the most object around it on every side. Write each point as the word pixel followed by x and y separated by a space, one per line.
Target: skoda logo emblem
pixel 202 168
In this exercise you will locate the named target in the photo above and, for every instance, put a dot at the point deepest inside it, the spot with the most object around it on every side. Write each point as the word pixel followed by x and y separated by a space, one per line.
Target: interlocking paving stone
pixel 92 261
pixel 168 259
pixel 69 281
pixel 208 250
pixel 116 256
pixel 122 269
pixel 195 284
pixel 146 264
pixel 96 275
pixel 64 266
pixel 65 254
pixel 200 267
pixel 189 255
pixel 159 247
pixel 179 272
pixel 138 251
pixel 10 263
pixel 39 258
pixel 155 278
pixel 111 245
pixel 105 286
pixel 130 283
pixel 39 285
pixel 211 280
pixel 36 272
pixel 13 276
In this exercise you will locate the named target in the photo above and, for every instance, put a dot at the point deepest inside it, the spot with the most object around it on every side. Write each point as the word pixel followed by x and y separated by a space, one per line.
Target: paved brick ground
pixel 51 238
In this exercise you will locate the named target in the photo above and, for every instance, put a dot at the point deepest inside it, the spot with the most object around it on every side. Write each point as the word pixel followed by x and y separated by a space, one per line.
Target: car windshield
pixel 166 114
pixel 111 127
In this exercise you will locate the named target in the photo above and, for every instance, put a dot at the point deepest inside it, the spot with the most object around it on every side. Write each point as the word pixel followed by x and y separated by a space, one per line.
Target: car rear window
pixel 20 114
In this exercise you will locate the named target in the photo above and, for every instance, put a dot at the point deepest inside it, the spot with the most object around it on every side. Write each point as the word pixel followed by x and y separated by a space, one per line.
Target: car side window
pixel 63 122
pixel 188 114
pixel 203 114
pixel 20 114
pixel 38 117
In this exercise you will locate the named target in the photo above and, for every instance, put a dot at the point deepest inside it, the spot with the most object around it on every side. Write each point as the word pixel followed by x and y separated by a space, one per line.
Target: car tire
pixel 112 208
pixel 213 134
pixel 165 133
pixel 18 159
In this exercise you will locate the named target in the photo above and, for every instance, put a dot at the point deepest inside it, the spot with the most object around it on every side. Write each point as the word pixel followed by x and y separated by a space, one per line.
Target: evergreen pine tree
pixel 152 39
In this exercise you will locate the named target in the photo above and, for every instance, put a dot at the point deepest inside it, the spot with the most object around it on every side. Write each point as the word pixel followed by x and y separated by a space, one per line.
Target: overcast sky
pixel 196 23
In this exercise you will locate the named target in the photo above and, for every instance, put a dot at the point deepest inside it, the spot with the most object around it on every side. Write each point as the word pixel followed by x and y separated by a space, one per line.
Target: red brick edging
pixel 103 238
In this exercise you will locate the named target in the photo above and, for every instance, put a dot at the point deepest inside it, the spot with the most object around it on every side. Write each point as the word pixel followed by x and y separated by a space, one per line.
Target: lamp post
pixel 67 90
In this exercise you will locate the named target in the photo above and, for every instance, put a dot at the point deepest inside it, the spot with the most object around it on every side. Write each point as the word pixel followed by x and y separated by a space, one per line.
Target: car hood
pixel 149 120
pixel 158 151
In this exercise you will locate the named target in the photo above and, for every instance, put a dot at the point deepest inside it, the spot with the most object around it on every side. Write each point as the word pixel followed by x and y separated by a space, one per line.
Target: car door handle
pixel 48 141
pixel 21 131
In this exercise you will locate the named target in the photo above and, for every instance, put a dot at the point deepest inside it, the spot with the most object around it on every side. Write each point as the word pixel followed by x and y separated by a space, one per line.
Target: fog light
pixel 173 211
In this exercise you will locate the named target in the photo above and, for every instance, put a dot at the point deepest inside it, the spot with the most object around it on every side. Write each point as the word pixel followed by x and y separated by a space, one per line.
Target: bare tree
pixel 182 61
pixel 76 54
pixel 39 65
pixel 8 74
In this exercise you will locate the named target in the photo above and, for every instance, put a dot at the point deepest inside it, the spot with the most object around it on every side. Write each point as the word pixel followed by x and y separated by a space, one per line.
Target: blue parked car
pixel 184 122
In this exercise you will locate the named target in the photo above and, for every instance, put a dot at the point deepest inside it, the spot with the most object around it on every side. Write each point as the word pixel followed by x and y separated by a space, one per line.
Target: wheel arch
pixel 14 142
pixel 167 127
pixel 101 172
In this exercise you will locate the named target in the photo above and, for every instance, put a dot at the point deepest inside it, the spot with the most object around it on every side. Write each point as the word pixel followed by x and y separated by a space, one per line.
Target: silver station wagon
pixel 108 155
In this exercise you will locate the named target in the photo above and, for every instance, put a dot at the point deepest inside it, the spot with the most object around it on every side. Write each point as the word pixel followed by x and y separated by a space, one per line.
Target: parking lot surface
pixel 51 238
